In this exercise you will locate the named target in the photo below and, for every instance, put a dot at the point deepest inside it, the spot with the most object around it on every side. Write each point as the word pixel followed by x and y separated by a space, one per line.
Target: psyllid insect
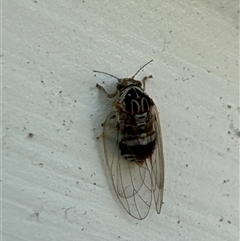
pixel 133 146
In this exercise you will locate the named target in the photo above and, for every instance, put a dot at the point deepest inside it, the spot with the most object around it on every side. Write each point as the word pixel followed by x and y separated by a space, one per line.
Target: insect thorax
pixel 133 100
pixel 135 123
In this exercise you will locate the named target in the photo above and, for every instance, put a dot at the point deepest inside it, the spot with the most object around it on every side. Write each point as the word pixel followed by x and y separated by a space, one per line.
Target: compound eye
pixel 119 86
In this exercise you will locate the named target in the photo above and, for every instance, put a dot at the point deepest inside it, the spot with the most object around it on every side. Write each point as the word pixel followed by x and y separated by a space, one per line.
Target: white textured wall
pixel 55 183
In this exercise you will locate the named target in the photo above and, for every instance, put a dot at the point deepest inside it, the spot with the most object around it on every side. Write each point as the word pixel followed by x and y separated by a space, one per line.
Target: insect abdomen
pixel 138 140
pixel 136 152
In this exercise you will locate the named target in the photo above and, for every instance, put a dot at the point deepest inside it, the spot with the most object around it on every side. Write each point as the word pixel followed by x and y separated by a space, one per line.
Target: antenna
pixel 96 71
pixel 142 68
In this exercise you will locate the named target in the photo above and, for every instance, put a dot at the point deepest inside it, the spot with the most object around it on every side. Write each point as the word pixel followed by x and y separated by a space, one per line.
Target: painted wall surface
pixel 55 182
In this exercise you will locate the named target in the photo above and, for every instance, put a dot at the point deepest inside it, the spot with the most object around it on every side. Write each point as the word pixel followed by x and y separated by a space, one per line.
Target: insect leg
pixel 108 95
pixel 144 80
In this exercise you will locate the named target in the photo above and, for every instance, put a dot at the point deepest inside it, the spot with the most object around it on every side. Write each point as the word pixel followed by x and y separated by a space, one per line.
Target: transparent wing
pixel 157 163
pixel 132 181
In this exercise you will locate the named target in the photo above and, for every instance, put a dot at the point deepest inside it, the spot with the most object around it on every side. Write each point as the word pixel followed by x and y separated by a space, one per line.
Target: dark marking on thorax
pixel 135 101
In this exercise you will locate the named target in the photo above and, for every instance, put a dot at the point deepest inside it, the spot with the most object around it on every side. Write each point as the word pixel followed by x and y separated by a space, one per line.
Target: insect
pixel 133 146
